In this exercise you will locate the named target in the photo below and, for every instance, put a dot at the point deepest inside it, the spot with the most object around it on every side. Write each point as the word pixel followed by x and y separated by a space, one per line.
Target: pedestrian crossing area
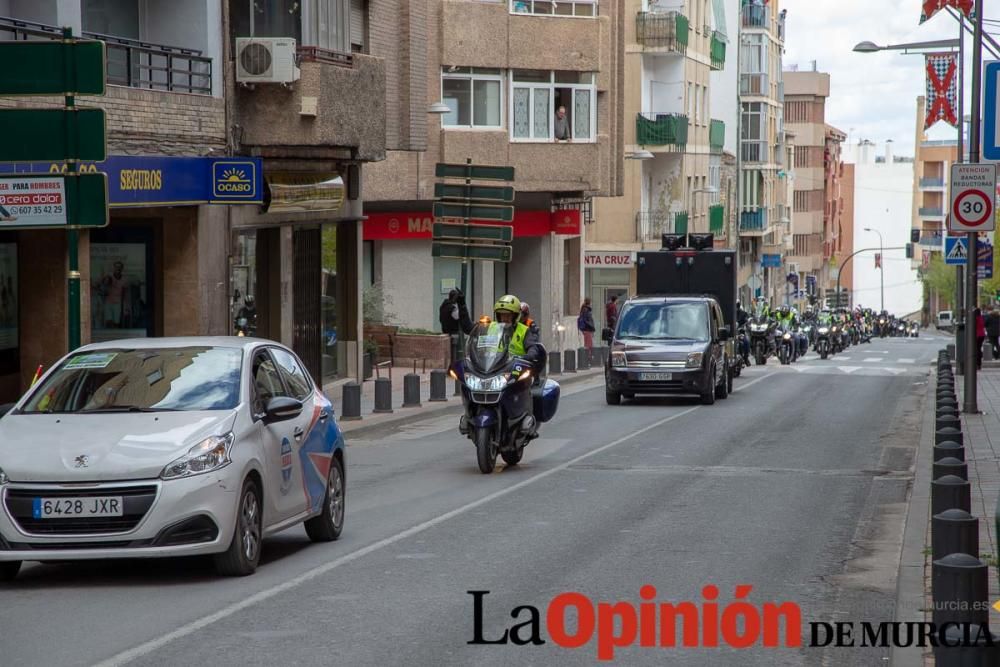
pixel 860 363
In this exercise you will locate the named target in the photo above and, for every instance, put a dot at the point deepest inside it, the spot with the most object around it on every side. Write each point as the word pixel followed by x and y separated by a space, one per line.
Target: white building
pixel 883 201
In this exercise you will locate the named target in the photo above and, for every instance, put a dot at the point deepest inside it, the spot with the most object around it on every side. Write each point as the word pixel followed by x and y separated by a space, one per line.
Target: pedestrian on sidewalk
pixel 585 324
pixel 610 318
pixel 448 315
pixel 980 336
pixel 993 331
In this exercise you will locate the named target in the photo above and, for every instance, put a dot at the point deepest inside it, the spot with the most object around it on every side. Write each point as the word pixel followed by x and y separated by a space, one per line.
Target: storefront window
pixel 8 308
pixel 332 299
pixel 120 271
pixel 244 285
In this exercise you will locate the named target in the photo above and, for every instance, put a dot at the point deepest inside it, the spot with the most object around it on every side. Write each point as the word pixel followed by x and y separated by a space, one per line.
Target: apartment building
pixel 503 70
pixel 818 201
pixel 677 53
pixel 764 217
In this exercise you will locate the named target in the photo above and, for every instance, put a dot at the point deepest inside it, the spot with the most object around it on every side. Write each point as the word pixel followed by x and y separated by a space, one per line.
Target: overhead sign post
pixel 70 200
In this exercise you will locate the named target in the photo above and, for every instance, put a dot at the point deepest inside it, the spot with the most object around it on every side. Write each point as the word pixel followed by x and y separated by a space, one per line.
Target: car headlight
pixel 618 360
pixel 823 330
pixel 210 454
pixel 492 383
pixel 3 477
pixel 694 360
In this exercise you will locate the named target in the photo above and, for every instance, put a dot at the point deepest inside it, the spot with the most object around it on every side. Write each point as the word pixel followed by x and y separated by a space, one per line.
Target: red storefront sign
pixel 420 225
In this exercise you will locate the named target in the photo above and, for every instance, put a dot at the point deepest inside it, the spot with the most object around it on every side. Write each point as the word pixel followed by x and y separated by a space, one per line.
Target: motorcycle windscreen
pixel 488 346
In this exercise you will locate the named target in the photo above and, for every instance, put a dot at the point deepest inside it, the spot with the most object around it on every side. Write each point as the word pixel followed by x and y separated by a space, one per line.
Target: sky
pixel 872 96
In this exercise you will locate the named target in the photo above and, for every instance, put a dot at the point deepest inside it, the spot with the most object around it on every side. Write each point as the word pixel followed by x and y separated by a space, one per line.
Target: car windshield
pixel 142 380
pixel 665 321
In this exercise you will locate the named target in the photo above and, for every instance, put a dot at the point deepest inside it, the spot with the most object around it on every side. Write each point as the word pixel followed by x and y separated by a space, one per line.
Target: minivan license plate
pixel 62 508
pixel 655 377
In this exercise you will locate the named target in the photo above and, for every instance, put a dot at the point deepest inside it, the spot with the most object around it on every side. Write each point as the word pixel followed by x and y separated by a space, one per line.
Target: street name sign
pixel 473 211
pixel 52 68
pixel 494 253
pixel 452 230
pixel 973 192
pixel 477 172
pixel 483 193
pixel 41 135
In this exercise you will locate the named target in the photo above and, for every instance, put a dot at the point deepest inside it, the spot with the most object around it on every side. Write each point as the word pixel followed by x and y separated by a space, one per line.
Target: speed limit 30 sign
pixel 973 193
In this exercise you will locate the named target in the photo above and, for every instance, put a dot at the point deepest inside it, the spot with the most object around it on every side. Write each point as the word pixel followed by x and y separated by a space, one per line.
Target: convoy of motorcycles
pixel 827 333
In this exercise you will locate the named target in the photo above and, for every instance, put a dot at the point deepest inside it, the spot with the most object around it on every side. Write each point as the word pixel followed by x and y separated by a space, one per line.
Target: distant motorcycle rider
pixel 741 322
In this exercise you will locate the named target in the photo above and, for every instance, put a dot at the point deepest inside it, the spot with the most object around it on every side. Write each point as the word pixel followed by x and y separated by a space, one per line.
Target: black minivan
pixel 669 345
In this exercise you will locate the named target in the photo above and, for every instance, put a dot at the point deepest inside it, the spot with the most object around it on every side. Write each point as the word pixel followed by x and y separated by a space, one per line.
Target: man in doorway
pixel 561 126
pixel 611 312
pixel 113 288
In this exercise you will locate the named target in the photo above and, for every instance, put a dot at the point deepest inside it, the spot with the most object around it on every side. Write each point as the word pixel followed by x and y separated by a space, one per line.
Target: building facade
pixel 503 70
pixel 764 216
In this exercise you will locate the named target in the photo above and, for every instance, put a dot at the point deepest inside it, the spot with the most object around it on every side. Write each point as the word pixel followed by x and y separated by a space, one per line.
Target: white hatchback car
pixel 168 447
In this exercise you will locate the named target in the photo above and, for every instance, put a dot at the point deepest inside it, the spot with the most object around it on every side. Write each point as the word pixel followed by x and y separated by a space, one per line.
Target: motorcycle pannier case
pixel 545 400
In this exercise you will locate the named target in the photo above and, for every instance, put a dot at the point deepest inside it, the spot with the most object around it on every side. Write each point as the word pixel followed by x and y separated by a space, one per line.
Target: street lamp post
pixel 881 263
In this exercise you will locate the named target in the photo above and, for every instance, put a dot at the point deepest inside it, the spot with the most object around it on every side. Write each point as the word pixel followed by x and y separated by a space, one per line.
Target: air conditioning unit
pixel 266 60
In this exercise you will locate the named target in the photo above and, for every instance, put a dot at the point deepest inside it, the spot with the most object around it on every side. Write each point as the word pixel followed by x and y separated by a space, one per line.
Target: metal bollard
pixel 958 583
pixel 947 411
pixel 950 492
pixel 555 363
pixel 950 349
pixel 411 390
pixel 949 465
pixel 383 395
pixel 582 359
pixel 946 421
pixel 439 386
pixel 948 434
pixel 946 449
pixel 948 403
pixel 350 402
pixel 954 532
pixel 569 361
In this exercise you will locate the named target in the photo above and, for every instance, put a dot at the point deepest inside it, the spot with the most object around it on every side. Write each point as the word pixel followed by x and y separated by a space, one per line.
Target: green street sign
pixel 486 193
pixel 450 230
pixel 469 211
pixel 493 253
pixel 52 68
pixel 474 171
pixel 35 201
pixel 40 135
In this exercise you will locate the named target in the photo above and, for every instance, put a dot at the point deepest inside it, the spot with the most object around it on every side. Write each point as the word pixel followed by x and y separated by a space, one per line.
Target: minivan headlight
pixel 618 360
pixel 3 477
pixel 694 360
pixel 210 454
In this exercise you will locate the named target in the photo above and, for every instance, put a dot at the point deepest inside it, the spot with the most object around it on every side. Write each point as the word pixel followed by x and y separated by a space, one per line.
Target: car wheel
pixel 328 525
pixel 612 397
pixel 722 389
pixel 243 554
pixel 9 570
pixel 708 398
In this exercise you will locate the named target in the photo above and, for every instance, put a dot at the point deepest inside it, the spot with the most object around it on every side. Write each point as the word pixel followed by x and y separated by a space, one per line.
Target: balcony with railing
pixel 664 32
pixel 753 223
pixel 131 62
pixel 651 225
pixel 717 218
pixel 932 182
pixel 756 16
pixel 661 129
pixel 755 84
pixel 753 151
pixel 930 212
pixel 932 239
pixel 716 135
pixel 717 50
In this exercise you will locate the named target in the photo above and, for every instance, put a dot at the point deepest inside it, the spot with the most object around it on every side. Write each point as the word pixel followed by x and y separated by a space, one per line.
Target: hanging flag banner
pixel 942 89
pixel 932 7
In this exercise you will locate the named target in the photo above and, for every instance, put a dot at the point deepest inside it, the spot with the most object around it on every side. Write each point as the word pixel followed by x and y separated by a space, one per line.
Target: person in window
pixel 561 126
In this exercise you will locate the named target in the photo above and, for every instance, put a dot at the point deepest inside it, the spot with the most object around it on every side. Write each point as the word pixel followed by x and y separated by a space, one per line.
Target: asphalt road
pixel 796 485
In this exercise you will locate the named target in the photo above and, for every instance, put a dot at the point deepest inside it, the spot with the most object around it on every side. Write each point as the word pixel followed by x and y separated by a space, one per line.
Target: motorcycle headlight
pixel 3 477
pixel 492 383
pixel 824 330
pixel 694 359
pixel 618 360
pixel 835 328
pixel 210 454
pixel 758 327
pixel 787 336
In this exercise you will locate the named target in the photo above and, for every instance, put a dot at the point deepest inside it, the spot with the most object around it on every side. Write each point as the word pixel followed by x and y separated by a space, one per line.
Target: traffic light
pixel 909 248
pixel 914 236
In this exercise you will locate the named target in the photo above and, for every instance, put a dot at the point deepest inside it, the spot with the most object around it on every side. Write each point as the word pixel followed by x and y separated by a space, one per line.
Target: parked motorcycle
pixel 504 402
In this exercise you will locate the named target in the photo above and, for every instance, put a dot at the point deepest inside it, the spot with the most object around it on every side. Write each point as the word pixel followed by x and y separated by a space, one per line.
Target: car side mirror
pixel 281 408
pixel 724 333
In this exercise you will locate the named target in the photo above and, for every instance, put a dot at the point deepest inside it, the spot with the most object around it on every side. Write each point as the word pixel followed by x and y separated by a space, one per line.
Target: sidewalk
pixel 370 420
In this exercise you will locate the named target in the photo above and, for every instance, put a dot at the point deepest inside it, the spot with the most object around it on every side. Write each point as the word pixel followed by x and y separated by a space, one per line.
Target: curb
pixel 359 427
pixel 911 580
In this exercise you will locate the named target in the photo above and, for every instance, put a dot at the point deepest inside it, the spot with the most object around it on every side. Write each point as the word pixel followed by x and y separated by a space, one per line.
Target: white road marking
pixel 148 647
pixel 906 361
pixel 870 360
pixel 849 369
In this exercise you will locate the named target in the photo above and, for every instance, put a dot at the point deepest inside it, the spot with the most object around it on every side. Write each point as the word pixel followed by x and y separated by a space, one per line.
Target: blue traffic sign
pixel 991 105
pixel 956 250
